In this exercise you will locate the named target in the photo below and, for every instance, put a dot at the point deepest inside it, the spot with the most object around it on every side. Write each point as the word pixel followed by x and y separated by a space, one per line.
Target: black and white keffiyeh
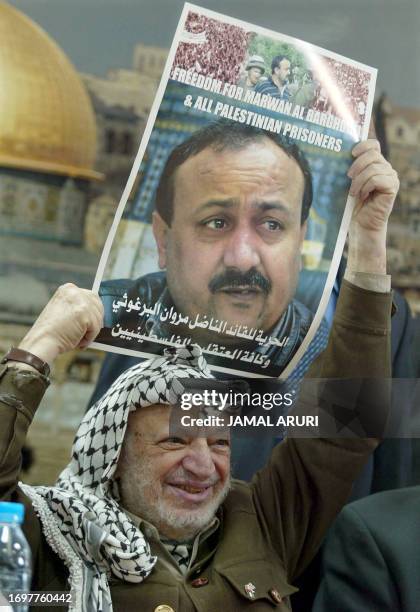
pixel 81 516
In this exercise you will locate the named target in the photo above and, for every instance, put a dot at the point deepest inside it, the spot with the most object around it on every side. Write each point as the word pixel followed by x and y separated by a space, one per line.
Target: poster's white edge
pixel 143 144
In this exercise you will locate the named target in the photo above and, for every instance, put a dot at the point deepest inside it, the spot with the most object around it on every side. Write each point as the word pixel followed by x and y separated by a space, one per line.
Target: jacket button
pixel 275 595
pixel 199 582
pixel 164 608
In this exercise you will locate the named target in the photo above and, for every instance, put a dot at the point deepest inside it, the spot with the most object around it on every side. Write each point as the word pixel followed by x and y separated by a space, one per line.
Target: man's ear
pixel 160 232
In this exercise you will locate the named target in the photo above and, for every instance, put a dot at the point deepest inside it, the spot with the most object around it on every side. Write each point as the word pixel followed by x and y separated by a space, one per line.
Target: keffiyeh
pixel 81 516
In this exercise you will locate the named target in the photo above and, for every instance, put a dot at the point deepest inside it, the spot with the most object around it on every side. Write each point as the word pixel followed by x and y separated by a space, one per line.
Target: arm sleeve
pixel 356 577
pixel 308 480
pixel 20 394
pixel 361 331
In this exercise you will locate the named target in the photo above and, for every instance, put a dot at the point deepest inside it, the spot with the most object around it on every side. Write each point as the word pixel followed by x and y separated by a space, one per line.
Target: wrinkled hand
pixel 71 319
pixel 375 186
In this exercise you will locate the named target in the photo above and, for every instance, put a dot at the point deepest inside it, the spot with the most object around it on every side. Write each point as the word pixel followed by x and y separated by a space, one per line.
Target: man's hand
pixel 374 185
pixel 71 319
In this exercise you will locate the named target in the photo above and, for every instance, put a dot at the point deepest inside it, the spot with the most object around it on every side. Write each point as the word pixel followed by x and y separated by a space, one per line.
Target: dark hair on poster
pixel 221 135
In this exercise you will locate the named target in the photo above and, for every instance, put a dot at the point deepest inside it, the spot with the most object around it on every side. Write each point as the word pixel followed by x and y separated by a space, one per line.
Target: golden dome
pixel 46 118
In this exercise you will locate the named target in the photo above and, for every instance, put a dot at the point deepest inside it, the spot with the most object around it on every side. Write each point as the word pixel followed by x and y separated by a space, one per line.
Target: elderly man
pixel 146 519
pixel 147 507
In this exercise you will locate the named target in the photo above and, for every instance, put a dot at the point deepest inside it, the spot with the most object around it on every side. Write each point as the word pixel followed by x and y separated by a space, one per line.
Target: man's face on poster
pixel 282 70
pixel 232 251
pixel 254 75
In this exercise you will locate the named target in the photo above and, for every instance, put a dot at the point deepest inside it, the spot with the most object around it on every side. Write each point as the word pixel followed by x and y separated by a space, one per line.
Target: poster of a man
pixel 231 214
pixel 236 192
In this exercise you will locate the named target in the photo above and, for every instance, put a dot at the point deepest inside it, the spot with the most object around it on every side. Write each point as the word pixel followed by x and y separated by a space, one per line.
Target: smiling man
pixel 178 487
pixel 231 215
pixel 145 517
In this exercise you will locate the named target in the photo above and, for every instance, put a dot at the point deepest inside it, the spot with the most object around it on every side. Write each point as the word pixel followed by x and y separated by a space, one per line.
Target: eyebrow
pixel 231 202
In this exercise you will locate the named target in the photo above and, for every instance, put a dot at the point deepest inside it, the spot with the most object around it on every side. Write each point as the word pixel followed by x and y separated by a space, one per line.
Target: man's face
pixel 254 75
pixel 233 249
pixel 177 484
pixel 283 70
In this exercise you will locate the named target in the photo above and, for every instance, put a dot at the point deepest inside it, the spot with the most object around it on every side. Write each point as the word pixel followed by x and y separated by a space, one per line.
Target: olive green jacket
pixel 270 529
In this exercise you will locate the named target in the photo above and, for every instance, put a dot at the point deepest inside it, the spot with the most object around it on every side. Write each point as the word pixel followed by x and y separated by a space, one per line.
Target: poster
pixel 231 226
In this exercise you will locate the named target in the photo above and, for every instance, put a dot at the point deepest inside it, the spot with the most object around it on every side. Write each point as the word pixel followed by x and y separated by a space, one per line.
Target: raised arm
pixel 308 480
pixel 71 319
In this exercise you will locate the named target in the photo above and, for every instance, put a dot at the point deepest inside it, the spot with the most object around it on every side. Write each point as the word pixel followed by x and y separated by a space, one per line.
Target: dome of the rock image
pixel 47 122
